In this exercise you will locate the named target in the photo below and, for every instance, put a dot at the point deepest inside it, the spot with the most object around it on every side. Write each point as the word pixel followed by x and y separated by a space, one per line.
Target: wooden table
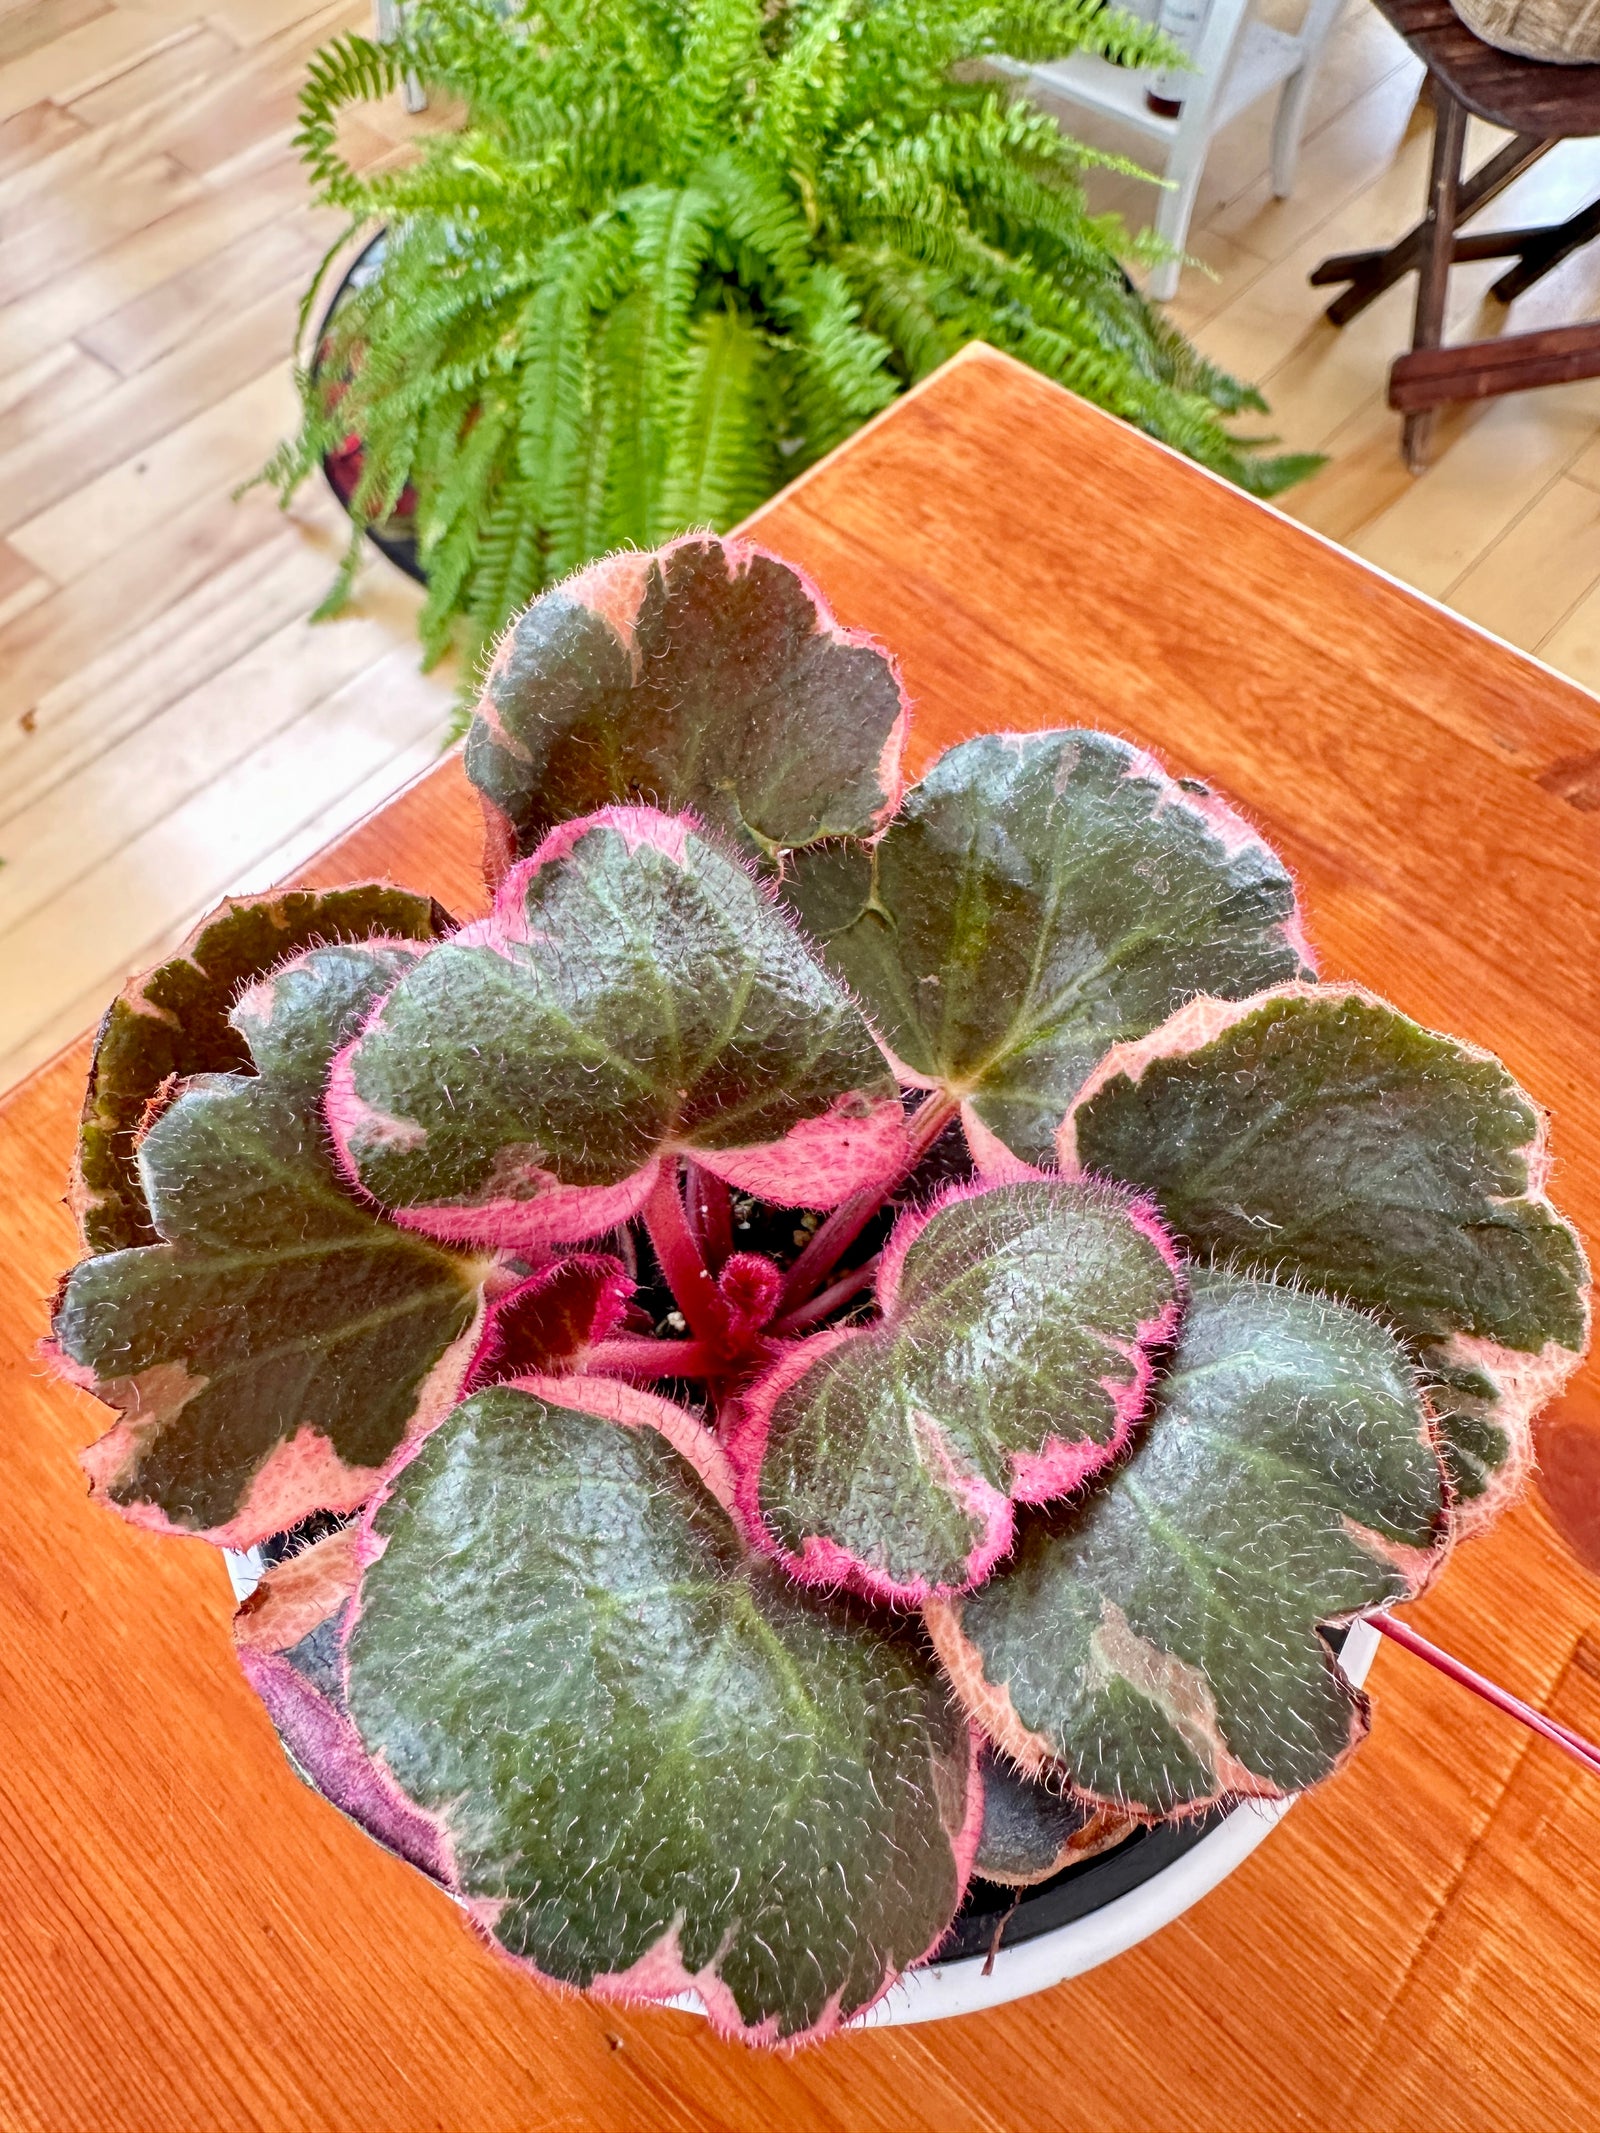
pixel 189 1939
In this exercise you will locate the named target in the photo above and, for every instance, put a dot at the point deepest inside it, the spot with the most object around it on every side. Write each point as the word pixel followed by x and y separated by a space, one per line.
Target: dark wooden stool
pixel 1539 104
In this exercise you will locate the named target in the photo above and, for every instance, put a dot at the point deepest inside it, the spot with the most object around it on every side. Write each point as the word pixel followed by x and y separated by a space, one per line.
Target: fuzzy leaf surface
pixel 1039 898
pixel 174 1021
pixel 280 1342
pixel 1324 1135
pixel 656 1764
pixel 709 676
pixel 1011 1362
pixel 634 994
pixel 1156 1640
pixel 548 1322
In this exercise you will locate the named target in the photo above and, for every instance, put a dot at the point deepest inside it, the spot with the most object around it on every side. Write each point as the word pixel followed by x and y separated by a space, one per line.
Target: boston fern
pixel 842 1338
pixel 680 248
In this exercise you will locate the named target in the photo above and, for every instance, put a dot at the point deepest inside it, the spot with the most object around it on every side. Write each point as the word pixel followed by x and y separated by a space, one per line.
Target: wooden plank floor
pixel 171 726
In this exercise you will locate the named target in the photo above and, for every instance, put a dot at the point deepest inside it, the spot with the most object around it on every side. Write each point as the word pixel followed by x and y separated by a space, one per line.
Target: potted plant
pixel 842 1340
pixel 673 255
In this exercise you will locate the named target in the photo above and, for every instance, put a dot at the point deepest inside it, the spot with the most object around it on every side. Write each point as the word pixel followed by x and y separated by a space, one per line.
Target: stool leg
pixel 1438 242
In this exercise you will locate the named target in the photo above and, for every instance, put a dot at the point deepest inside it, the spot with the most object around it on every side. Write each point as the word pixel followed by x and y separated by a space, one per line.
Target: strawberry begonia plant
pixel 840 1338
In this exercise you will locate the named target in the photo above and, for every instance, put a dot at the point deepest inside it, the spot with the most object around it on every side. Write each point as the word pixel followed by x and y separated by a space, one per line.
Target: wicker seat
pixel 1540 103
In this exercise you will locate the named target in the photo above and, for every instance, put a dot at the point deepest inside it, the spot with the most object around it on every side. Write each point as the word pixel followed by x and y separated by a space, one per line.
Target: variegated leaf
pixel 1039 898
pixel 643 1761
pixel 634 996
pixel 273 1351
pixel 1320 1134
pixel 174 1022
pixel 1155 1641
pixel 708 675
pixel 1012 1360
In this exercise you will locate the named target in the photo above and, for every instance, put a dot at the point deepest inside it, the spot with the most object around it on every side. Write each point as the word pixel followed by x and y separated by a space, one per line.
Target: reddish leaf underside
pixel 548 1322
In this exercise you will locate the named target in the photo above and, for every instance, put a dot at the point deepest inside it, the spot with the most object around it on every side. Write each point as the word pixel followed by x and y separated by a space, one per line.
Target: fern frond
pixel 721 462
pixel 351 70
pixel 722 53
pixel 679 248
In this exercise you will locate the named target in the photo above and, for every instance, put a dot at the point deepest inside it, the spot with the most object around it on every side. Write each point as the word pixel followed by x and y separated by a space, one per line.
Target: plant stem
pixel 829 1300
pixel 851 1217
pixel 682 1267
pixel 652 1359
pixel 1583 1752
pixel 710 1207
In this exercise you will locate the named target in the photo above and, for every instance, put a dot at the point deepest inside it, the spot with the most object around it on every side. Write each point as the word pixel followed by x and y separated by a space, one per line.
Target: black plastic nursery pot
pixel 395 540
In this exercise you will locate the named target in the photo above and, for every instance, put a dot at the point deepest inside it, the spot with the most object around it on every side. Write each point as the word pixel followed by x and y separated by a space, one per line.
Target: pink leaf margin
pixel 1524 1383
pixel 326 1745
pixel 857 1144
pixel 1222 822
pixel 1059 1467
pixel 991 1710
pixel 613 587
pixel 1227 826
pixel 302 1473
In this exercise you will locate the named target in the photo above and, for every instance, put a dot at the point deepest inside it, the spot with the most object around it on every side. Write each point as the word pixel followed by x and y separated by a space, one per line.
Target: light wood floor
pixel 171 726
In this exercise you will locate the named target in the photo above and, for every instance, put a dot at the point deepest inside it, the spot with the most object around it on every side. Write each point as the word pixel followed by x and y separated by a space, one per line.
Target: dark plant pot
pixel 342 468
pixel 395 539
pixel 1078 1919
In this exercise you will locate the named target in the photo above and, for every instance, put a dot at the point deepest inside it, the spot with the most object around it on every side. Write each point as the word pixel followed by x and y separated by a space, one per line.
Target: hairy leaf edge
pixel 859 1153
pixel 1525 1382
pixel 326 1749
pixel 1061 1466
pixel 613 587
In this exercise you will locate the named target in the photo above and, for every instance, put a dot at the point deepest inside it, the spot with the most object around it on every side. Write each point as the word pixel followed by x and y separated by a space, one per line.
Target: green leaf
pixel 1039 898
pixel 635 995
pixel 1156 1640
pixel 1031 1829
pixel 1322 1134
pixel 652 1765
pixel 708 676
pixel 173 1022
pixel 272 1353
pixel 722 460
pixel 1011 1362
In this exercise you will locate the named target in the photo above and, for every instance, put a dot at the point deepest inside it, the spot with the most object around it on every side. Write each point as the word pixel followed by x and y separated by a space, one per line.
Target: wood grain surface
pixel 190 1939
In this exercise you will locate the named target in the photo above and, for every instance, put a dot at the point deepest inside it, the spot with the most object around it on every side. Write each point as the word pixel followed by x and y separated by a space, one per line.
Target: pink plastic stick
pixel 1582 1751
